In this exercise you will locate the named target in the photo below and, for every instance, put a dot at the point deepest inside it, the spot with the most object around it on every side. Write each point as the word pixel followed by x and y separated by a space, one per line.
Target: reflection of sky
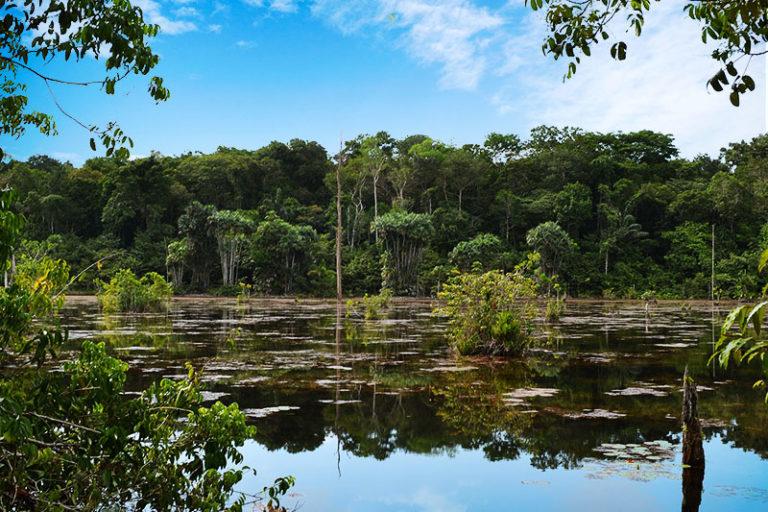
pixel 735 480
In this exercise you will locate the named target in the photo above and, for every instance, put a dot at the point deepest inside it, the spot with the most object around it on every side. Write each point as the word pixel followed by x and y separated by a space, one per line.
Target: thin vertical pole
pixel 338 222
pixel 712 288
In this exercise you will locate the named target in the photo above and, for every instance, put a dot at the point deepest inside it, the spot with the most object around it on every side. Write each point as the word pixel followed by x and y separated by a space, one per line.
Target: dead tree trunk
pixel 693 448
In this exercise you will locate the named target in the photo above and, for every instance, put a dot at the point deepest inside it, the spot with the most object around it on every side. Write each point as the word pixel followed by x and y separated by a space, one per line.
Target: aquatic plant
pixel 488 312
pixel 73 440
pixel 555 309
pixel 372 304
pixel 126 292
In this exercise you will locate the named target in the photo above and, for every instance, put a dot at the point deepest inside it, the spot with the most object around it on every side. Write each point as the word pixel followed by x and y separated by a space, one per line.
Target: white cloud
pixel 187 12
pixel 661 86
pixel 450 33
pixel 67 157
pixel 284 5
pixel 216 29
pixel 153 14
pixel 245 44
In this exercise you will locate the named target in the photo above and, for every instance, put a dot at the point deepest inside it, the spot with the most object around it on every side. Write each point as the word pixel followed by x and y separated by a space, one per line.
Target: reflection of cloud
pixel 427 500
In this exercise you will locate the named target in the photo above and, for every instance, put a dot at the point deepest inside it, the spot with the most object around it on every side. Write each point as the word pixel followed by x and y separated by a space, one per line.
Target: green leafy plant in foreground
pixel 743 338
pixel 126 292
pixel 489 313
pixel 72 440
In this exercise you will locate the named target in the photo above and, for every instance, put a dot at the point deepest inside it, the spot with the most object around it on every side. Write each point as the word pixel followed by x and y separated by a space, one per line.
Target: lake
pixel 381 415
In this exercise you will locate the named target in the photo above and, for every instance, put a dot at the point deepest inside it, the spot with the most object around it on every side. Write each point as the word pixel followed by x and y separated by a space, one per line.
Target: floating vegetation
pixel 250 380
pixel 450 369
pixel 649 451
pixel 601 414
pixel 636 391
pixel 602 469
pixel 266 411
pixel 516 398
pixel 753 493
pixel 211 396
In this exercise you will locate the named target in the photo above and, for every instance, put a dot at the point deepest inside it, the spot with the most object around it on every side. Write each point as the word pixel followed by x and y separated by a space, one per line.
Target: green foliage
pixel 552 243
pixel 35 33
pixel 404 235
pixel 555 309
pixel 126 292
pixel 484 248
pixel 742 337
pixel 488 312
pixel 73 440
pixel 640 217
pixel 736 26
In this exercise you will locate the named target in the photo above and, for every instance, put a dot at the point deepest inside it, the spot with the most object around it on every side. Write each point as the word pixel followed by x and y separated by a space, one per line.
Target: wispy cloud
pixel 276 5
pixel 245 44
pixel 187 12
pixel 215 28
pixel 660 86
pixel 153 14
pixel 452 34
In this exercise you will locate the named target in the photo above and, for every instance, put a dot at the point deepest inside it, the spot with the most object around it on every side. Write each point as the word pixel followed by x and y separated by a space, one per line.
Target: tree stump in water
pixel 693 448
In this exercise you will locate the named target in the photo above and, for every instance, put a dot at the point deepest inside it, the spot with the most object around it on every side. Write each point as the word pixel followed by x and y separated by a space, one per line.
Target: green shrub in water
pixel 555 309
pixel 126 292
pixel 489 313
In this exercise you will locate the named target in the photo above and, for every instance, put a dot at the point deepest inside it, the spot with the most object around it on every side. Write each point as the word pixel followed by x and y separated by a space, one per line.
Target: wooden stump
pixel 693 448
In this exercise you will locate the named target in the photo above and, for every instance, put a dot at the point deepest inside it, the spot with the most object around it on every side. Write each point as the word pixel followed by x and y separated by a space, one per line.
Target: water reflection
pixel 600 397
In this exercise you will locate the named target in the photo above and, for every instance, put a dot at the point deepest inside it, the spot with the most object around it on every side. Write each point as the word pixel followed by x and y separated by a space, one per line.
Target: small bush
pixel 126 292
pixel 489 313
pixel 372 304
pixel 555 309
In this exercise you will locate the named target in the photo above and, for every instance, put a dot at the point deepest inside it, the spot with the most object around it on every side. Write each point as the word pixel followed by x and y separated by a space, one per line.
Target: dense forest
pixel 610 215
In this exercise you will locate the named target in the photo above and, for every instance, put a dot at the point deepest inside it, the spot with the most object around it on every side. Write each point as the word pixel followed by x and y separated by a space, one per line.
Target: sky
pixel 246 72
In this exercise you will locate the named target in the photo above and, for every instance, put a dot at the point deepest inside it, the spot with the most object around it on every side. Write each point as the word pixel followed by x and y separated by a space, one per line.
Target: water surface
pixel 382 415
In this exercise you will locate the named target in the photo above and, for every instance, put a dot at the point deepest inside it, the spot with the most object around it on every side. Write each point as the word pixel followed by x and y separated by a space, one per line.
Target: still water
pixel 381 415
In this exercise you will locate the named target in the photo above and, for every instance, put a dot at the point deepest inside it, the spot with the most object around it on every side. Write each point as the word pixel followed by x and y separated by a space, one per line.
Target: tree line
pixel 612 215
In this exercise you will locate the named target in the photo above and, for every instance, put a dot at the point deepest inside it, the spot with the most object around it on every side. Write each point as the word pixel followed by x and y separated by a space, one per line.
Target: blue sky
pixel 246 72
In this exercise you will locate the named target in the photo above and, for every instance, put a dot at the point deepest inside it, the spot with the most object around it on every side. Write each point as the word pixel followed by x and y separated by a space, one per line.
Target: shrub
pixel 555 309
pixel 126 292
pixel 489 313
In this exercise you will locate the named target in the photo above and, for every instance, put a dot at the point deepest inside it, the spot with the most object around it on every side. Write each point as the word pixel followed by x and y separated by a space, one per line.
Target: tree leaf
pixel 734 98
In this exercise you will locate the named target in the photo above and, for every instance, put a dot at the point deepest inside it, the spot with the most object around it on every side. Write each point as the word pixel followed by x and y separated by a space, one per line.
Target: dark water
pixel 381 415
